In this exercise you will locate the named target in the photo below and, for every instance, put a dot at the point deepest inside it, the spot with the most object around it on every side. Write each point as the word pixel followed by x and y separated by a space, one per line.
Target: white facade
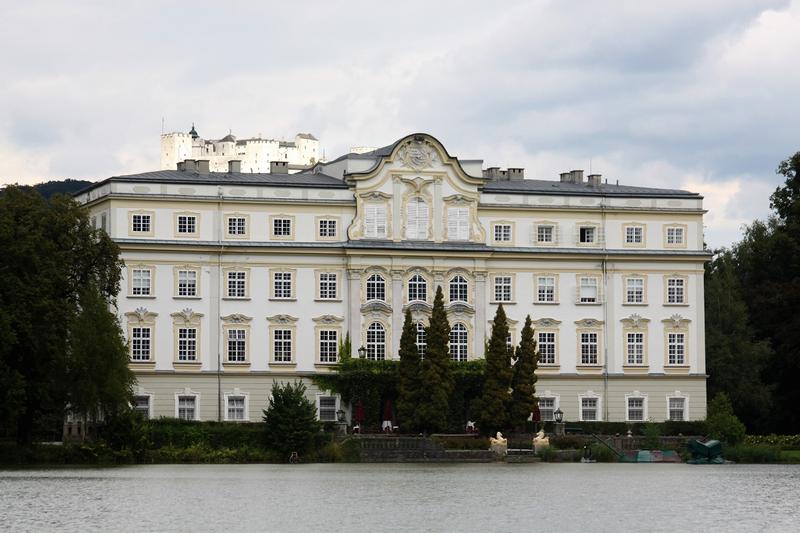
pixel 255 154
pixel 287 263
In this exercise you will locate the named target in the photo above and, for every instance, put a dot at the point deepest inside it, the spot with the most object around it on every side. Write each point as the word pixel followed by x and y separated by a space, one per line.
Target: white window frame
pixel 279 280
pixel 150 338
pixel 323 345
pixel 543 229
pixel 134 405
pixel 580 297
pixel 636 395
pixel 458 223
pixel 185 286
pixel 634 235
pixel 336 406
pixel 548 396
pixel 553 343
pixel 546 291
pixel 502 288
pixel 328 286
pixel 460 343
pixel 238 222
pixel 188 344
pixel 238 280
pixel 375 220
pixel 376 350
pixel 460 285
pixel 417 218
pixel 682 229
pixel 598 408
pixel 145 223
pixel 182 227
pixel 245 407
pixel 187 394
pixel 669 290
pixel 281 227
pixel 503 233
pixel 150 279
pixel 241 338
pixel 327 228
pixel 375 286
pixel 673 343
pixel 421 339
pixel 678 395
pixel 631 348
pixel 417 287
pixel 588 343
pixel 283 344
pixel 635 290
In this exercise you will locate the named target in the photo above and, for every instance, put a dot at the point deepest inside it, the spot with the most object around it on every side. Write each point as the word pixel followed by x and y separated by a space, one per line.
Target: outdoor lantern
pixel 340 415
pixel 558 415
pixel 362 352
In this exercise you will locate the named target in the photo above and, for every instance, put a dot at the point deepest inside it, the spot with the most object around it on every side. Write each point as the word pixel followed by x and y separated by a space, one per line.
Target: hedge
pixel 784 442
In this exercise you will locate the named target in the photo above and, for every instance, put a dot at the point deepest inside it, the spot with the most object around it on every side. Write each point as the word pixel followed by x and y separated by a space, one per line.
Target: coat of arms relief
pixel 417 155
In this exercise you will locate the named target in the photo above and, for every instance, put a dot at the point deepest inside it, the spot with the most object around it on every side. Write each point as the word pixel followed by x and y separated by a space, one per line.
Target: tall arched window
pixel 376 342
pixel 422 339
pixel 458 289
pixel 458 342
pixel 417 288
pixel 416 219
pixel 376 288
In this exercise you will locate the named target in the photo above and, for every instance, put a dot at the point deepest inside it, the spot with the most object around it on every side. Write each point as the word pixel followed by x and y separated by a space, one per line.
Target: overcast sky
pixel 697 95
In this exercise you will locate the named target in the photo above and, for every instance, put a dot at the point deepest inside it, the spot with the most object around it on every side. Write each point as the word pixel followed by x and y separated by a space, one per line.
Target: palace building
pixel 234 280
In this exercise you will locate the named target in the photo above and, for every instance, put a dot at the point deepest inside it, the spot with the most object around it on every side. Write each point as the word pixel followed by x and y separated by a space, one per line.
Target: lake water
pixel 404 497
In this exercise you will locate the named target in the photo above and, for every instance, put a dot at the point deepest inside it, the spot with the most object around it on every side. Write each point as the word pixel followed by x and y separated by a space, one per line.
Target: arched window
pixel 458 342
pixel 458 289
pixel 376 288
pixel 376 342
pixel 417 288
pixel 416 219
pixel 422 339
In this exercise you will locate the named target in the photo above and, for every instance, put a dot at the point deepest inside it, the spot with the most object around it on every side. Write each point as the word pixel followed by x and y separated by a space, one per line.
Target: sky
pixel 703 96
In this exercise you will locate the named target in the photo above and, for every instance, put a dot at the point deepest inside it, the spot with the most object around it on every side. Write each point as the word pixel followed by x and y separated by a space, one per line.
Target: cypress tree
pixel 436 379
pixel 408 386
pixel 523 381
pixel 495 397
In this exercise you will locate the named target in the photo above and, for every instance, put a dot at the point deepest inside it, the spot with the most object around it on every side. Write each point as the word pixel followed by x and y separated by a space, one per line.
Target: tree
pixel 721 423
pixel 492 406
pixel 345 348
pixel 290 420
pixel 523 380
pixel 735 360
pixel 51 255
pixel 409 374
pixel 436 380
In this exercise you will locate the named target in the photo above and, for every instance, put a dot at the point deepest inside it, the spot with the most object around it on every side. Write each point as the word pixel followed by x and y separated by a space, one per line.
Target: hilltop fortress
pixel 255 154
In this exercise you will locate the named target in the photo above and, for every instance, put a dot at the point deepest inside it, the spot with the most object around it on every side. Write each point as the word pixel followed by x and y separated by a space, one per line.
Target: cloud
pixel 698 94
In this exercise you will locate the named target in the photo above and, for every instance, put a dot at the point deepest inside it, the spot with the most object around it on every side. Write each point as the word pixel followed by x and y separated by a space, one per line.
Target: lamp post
pixel 362 352
pixel 558 416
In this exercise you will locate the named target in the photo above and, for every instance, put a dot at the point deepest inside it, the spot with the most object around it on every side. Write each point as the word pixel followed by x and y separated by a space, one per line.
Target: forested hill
pixel 68 186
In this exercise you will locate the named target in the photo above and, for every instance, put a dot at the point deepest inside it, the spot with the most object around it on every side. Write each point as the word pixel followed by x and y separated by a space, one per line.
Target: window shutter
pixel 458 223
pixel 416 219
pixel 375 220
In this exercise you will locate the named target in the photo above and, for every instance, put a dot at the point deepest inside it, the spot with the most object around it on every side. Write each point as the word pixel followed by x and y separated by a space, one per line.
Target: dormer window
pixel 416 219
pixel 375 221
pixel 458 223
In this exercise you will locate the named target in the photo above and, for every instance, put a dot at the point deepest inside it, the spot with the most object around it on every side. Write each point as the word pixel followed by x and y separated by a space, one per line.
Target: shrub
pixel 722 423
pixel 290 420
pixel 744 453
pixel 570 442
pixel 784 442
pixel 651 432
pixel 602 454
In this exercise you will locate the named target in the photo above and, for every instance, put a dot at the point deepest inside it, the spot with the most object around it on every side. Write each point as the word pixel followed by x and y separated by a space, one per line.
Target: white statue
pixel 540 442
pixel 499 440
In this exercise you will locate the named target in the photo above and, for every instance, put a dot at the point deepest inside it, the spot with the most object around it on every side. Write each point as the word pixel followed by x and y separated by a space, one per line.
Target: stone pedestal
pixel 499 449
pixel 559 429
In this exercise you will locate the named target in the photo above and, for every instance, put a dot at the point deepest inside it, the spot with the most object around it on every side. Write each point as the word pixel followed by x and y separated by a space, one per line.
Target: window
pixel 634 290
pixel 282 285
pixel 187 344
pixel 237 226
pixel 547 407
pixel 458 289
pixel 416 219
pixel 140 284
pixel 421 340
pixel 376 342
pixel 327 286
pixel 375 221
pixel 187 407
pixel 328 345
pixel 588 291
pixel 547 347
pixel 281 227
pixel 237 345
pixel 140 343
pixel 635 409
pixel 635 348
pixel 675 236
pixel 327 228
pixel 588 348
pixel 634 235
pixel 545 234
pixel 140 223
pixel 587 234
pixel 376 288
pixel 675 291
pixel 187 283
pixel 458 223
pixel 677 408
pixel 236 409
pixel 237 284
pixel 510 341
pixel 589 409
pixel 458 342
pixel 187 224
pixel 676 348
pixel 327 408
pixel 282 345
pixel 502 232
pixel 103 223
pixel 502 288
pixel 141 405
pixel 545 289
pixel 417 288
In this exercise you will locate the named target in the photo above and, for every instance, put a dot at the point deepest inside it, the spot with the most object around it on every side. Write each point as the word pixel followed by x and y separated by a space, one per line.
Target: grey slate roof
pixel 581 189
pixel 302 179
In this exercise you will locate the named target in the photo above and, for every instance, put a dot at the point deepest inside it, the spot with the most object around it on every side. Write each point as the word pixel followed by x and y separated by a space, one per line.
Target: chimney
pixel 203 166
pixel 566 177
pixel 594 179
pixel 181 166
pixel 577 176
pixel 492 173
pixel 234 166
pixel 516 174
pixel 188 165
pixel 278 167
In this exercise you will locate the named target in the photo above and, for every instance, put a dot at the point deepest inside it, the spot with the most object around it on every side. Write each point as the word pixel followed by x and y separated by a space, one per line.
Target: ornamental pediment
pixel 588 323
pixel 186 316
pixel 546 323
pixel 236 318
pixel 282 319
pixel 328 319
pixel 141 315
pixel 676 321
pixel 377 306
pixel 417 154
pixel 375 195
pixel 460 308
pixel 418 307
pixel 635 321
